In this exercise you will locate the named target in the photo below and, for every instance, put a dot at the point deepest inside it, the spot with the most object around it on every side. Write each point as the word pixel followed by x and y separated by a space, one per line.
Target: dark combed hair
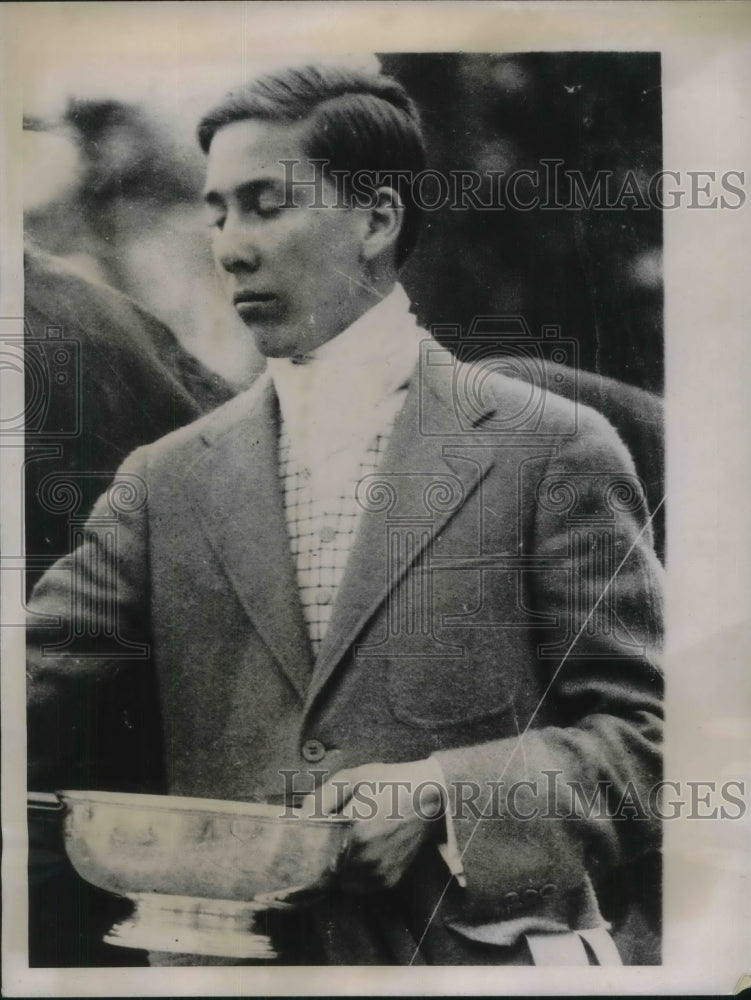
pixel 359 121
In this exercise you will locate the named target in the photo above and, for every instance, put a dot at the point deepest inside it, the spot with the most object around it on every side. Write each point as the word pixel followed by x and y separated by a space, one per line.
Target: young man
pixel 406 586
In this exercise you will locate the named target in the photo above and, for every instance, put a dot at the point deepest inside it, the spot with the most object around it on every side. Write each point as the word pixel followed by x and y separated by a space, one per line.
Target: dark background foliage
pixel 593 272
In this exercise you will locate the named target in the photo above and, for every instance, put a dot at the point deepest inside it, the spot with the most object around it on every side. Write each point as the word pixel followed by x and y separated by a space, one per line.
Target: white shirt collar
pixel 342 394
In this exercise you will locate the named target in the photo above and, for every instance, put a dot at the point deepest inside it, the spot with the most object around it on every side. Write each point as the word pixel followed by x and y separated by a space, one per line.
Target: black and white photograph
pixel 374 552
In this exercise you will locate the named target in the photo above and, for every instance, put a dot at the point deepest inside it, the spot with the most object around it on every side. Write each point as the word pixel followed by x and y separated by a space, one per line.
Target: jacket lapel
pixel 235 487
pixel 414 459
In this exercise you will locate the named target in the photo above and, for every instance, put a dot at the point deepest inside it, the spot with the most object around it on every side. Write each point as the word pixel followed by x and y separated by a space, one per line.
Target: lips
pixel 252 298
pixel 256 307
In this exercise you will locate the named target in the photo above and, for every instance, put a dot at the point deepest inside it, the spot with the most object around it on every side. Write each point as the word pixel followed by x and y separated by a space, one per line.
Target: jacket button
pixel 530 896
pixel 548 890
pixel 313 751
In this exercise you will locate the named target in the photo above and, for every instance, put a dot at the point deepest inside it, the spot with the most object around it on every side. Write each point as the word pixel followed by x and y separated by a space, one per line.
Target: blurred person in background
pixel 110 191
pixel 103 377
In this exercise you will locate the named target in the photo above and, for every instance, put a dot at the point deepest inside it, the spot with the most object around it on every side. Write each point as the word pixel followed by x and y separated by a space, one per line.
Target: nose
pixel 235 253
pixel 235 263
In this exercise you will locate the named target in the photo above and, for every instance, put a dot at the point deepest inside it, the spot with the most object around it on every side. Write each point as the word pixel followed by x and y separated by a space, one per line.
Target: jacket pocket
pixel 441 692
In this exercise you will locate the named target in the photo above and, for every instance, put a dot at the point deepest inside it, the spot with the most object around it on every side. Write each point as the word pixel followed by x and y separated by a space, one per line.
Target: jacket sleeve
pixel 92 717
pixel 570 795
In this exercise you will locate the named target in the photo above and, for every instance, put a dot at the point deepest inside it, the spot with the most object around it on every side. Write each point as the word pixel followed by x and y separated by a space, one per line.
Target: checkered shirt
pixel 321 533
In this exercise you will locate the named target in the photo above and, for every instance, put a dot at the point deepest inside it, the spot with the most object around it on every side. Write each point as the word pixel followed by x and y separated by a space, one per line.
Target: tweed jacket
pixel 500 611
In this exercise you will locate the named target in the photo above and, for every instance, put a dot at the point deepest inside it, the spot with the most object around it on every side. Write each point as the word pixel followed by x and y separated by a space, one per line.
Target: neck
pixel 370 291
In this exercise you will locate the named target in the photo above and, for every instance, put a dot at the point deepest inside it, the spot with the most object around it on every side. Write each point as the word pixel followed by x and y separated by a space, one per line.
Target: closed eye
pixel 263 199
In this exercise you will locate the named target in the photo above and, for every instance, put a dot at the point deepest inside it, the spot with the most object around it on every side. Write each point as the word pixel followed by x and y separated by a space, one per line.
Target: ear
pixel 384 223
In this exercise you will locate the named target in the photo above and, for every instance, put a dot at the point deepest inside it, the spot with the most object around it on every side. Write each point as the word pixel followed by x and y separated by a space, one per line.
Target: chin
pixel 272 343
pixel 284 343
pixel 273 348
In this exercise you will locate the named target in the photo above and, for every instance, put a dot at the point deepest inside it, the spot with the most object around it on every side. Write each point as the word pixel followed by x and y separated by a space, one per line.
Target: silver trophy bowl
pixel 200 872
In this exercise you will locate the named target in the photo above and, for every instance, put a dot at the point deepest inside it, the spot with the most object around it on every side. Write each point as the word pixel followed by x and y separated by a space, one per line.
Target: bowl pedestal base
pixel 220 928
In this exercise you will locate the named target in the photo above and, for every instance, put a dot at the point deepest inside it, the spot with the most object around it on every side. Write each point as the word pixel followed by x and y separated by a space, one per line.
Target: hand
pixel 395 808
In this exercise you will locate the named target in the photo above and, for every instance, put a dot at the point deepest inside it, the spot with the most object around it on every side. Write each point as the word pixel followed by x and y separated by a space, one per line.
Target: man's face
pixel 293 273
